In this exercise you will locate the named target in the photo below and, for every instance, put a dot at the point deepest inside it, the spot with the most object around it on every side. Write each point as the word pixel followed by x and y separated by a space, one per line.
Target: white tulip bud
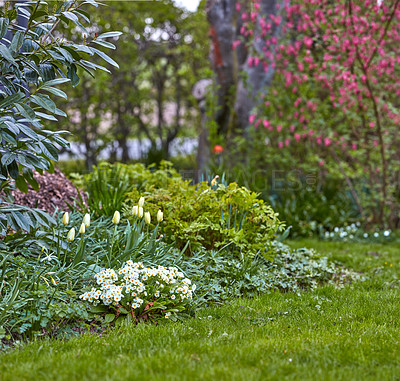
pixel 65 218
pixel 116 218
pixel 160 216
pixel 140 212
pixel 71 235
pixel 86 220
pixel 141 202
pixel 147 217
pixel 82 229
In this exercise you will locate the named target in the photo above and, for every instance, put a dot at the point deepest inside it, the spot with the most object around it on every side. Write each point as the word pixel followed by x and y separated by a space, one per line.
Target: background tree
pixel 162 53
pixel 239 78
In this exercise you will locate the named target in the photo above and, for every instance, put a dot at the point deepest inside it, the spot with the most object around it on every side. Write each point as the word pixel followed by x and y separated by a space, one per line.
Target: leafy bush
pixel 195 216
pixel 34 59
pixel 313 209
pixel 203 216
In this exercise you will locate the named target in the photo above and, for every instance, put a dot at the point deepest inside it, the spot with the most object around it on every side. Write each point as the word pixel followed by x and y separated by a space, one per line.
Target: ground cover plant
pixel 329 333
pixel 51 274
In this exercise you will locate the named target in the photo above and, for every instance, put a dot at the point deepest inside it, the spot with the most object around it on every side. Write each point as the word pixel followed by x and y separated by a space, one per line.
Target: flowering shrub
pixel 335 96
pixel 140 293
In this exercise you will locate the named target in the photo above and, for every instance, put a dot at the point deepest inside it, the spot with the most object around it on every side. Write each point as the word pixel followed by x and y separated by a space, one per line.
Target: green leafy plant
pixel 209 217
pixel 34 60
pixel 106 188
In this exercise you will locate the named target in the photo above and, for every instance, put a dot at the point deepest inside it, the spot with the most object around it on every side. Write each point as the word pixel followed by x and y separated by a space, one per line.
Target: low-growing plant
pixel 223 276
pixel 40 281
pixel 209 217
pixel 135 293
pixel 36 293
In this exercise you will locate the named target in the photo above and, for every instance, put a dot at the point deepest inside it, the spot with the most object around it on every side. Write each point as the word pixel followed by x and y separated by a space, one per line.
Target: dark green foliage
pixel 21 217
pixel 37 293
pixel 106 189
pixel 220 276
pixel 311 210
pixel 33 63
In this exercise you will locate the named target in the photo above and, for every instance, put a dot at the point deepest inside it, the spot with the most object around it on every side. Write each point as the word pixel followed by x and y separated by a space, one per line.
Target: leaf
pixel 83 48
pixel 38 14
pixel 122 310
pixel 48 73
pixel 22 221
pixel 21 184
pixel 28 131
pixel 44 101
pixel 83 14
pixel 7 137
pixel 94 66
pixel 17 41
pixel 56 81
pixel 98 309
pixel 109 34
pixel 71 16
pixel 49 150
pixel 106 44
pixel 13 169
pixel 11 99
pixel 109 318
pixel 60 113
pixel 72 75
pixel 4 22
pixel 66 54
pixel 31 75
pixel 106 58
pixel 46 116
pixel 28 175
pixel 25 111
pixel 7 158
pixel 5 53
pixel 54 91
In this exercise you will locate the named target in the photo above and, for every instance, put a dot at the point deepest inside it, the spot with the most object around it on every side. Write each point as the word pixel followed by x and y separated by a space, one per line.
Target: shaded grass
pixel 328 334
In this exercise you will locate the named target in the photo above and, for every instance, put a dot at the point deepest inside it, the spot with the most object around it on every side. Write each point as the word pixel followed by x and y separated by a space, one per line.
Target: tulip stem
pixel 111 246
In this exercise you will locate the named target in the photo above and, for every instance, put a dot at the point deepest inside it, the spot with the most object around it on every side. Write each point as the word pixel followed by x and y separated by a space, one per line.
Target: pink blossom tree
pixel 335 91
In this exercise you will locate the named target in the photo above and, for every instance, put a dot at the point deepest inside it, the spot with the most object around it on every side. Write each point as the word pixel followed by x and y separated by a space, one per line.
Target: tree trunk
pixel 239 84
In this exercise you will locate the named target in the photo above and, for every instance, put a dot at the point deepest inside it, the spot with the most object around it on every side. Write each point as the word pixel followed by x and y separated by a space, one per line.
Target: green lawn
pixel 329 334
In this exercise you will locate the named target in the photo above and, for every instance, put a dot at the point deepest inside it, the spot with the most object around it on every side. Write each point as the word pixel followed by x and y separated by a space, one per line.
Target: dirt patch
pixel 55 191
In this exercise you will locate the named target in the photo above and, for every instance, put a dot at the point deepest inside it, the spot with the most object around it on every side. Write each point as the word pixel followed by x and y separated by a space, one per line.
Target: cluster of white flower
pixel 108 293
pixel 139 283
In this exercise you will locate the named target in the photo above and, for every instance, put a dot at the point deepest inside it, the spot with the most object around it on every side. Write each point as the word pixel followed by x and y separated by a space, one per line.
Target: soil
pixel 55 191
